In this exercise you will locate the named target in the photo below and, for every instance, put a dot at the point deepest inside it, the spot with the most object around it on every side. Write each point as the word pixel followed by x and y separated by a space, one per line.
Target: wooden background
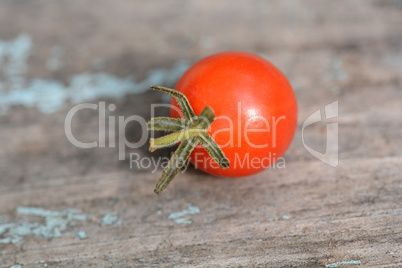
pixel 64 206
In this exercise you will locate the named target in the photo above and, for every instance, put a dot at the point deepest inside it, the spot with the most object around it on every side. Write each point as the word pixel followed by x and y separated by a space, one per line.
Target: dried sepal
pixel 181 100
pixel 189 131
pixel 175 163
pixel 166 124
pixel 173 138
pixel 213 150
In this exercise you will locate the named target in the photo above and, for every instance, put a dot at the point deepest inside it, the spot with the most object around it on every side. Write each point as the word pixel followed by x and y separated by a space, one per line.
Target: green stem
pixel 208 116
pixel 189 131
pixel 181 100
pixel 173 138
pixel 213 150
pixel 175 163
pixel 166 123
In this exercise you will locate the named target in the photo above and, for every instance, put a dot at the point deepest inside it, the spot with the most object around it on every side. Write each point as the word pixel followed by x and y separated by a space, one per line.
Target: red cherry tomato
pixel 255 108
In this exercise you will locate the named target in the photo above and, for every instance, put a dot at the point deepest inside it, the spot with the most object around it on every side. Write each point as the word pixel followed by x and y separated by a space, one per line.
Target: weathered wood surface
pixel 64 206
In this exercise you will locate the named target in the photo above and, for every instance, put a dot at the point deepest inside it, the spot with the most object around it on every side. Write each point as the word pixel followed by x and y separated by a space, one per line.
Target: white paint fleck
pixel 13 58
pixel 178 216
pixel 183 221
pixel 40 212
pixel 109 219
pixel 4 227
pixel 49 96
pixel 394 212
pixel 55 223
pixel 191 210
pixel 82 235
pixel 285 217
pixel 372 214
pixel 336 264
pixel 16 266
pixel 9 240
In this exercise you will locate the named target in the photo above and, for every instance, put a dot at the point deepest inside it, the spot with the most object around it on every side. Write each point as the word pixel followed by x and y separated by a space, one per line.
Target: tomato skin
pixel 241 88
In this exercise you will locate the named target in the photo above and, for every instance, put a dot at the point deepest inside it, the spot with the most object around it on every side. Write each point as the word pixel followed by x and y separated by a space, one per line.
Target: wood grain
pixel 96 211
